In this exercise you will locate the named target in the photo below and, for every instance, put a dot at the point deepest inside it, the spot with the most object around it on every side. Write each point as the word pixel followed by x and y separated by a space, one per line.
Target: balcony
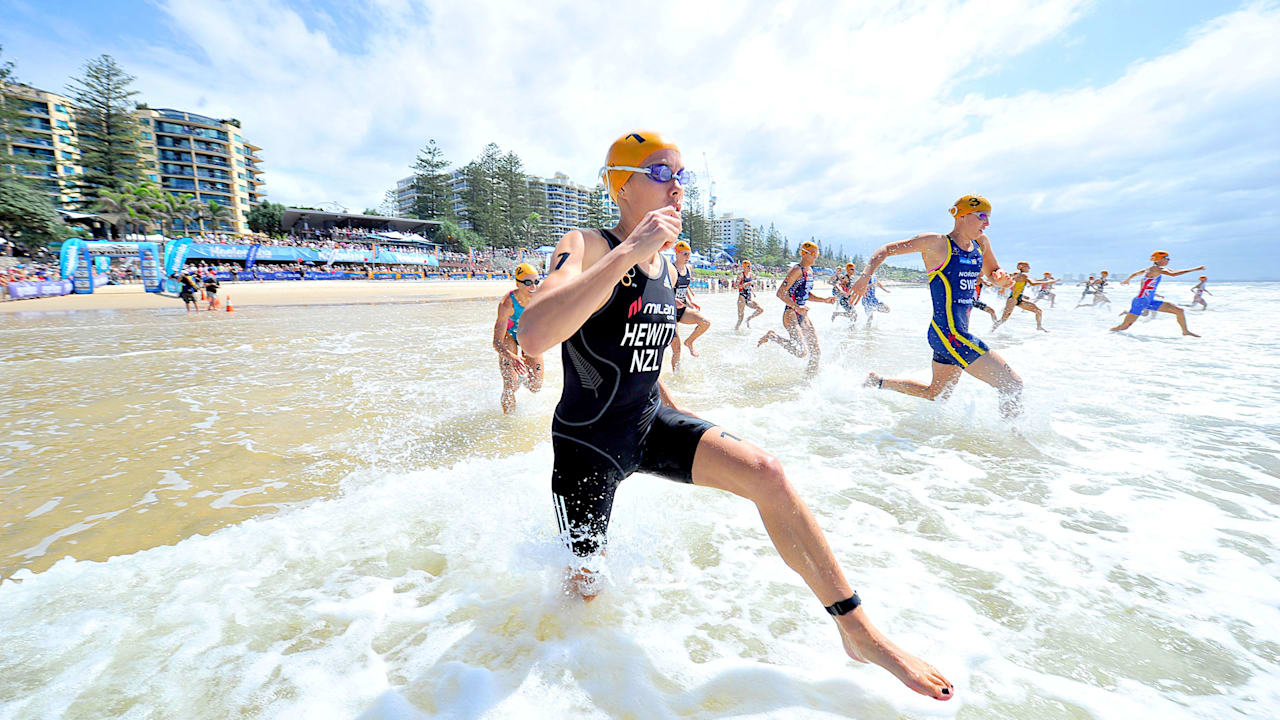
pixel 42 142
pixel 210 147
pixel 36 109
pixel 211 161
pixel 212 174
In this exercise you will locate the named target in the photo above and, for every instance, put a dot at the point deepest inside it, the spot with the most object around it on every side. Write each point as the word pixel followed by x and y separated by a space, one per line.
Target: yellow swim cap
pixel 630 149
pixel 682 246
pixel 970 204
pixel 1159 255
pixel 808 246
pixel 524 270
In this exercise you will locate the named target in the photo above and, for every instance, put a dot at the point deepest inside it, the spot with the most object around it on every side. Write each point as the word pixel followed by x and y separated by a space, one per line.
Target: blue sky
pixel 1099 130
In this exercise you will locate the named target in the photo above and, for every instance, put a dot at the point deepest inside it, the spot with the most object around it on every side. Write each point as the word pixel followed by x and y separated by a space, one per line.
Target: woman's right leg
pixel 728 463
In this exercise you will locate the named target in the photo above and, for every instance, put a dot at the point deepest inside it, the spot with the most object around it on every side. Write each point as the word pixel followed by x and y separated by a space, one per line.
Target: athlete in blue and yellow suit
pixel 956 261
pixel 517 366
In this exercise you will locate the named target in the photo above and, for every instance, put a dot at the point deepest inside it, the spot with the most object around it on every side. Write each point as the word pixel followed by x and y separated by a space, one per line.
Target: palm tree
pixel 112 206
pixel 215 212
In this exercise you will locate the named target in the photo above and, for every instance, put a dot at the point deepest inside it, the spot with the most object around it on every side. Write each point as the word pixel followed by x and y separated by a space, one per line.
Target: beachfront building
pixel 47 135
pixel 406 194
pixel 730 230
pixel 568 204
pixel 190 154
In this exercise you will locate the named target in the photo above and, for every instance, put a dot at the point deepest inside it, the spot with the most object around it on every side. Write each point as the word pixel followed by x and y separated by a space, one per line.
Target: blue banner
pixel 278 253
pixel 175 256
pixel 70 256
pixel 252 256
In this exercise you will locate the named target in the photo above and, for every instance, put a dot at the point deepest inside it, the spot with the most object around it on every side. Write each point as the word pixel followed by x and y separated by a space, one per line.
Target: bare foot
pixel 873 380
pixel 1042 329
pixel 1188 332
pixel 584 582
pixel 766 338
pixel 689 345
pixel 864 643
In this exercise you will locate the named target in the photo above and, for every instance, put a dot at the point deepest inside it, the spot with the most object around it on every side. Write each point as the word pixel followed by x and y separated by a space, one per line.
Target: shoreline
pixel 274 294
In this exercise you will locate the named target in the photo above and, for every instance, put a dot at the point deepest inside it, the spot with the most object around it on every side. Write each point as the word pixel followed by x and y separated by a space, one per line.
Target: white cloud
pixel 837 121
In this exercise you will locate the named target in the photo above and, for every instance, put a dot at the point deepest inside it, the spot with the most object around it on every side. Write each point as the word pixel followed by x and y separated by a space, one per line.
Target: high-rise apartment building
pixel 182 152
pixel 730 230
pixel 190 154
pixel 46 135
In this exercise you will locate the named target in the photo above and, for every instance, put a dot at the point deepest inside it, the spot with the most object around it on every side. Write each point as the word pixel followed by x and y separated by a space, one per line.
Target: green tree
pixel 432 183
pixel 371 211
pixel 597 216
pixel 773 247
pixel 512 193
pixel 266 217
pixel 28 217
pixel 105 128
pixel 216 213
pixel 482 197
pixel 696 226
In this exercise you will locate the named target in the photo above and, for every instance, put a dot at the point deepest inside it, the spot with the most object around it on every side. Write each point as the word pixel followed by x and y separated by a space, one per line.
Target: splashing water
pixel 322 512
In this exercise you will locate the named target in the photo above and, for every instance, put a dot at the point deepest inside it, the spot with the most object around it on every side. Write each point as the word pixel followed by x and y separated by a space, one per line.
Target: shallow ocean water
pixel 322 512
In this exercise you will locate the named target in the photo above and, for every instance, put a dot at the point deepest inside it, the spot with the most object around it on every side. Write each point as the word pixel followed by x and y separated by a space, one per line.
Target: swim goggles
pixel 984 217
pixel 528 283
pixel 658 173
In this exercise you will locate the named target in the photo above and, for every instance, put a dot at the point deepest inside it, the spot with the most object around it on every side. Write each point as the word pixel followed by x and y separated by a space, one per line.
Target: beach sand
pixel 302 292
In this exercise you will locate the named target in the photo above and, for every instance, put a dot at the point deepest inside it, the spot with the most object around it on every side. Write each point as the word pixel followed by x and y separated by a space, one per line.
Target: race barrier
pixel 39 288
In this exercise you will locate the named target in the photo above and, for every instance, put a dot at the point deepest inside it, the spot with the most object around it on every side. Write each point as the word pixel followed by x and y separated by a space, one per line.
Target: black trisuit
pixel 682 290
pixel 610 421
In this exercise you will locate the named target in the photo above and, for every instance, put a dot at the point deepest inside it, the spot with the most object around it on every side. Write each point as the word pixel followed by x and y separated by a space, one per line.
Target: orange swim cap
pixel 1021 263
pixel 849 266
pixel 970 204
pixel 630 149
pixel 809 246
pixel 1159 255
pixel 746 262
pixel 682 246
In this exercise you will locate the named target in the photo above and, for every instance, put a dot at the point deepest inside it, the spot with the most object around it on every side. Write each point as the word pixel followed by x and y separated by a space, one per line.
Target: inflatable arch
pixel 78 257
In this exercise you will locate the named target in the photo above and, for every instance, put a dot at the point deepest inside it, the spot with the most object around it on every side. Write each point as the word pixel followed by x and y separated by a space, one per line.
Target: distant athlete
pixel 957 260
pixel 795 292
pixel 517 367
pixel 188 292
pixel 872 304
pixel 1199 291
pixel 1147 299
pixel 211 288
pixel 840 284
pixel 1088 290
pixel 1016 300
pixel 1100 290
pixel 687 311
pixel 1046 289
pixel 746 285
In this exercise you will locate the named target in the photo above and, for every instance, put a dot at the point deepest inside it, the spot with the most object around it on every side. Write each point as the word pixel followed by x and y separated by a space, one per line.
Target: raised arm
pixel 1176 273
pixel 917 244
pixel 577 287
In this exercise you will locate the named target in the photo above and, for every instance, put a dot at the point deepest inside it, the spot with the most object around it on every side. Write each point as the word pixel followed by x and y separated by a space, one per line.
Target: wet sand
pixel 302 292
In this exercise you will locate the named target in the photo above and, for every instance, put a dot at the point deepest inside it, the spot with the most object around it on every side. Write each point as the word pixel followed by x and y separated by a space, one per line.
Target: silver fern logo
pixel 587 374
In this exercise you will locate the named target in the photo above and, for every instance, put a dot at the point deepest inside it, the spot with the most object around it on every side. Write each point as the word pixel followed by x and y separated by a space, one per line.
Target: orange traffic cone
pixel 202 297
pixel 229 308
